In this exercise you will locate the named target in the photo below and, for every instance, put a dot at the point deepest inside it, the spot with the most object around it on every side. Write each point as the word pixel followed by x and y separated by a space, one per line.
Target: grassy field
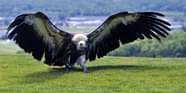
pixel 22 74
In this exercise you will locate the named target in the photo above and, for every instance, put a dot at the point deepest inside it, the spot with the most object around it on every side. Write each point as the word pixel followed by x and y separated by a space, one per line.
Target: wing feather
pixel 123 28
pixel 36 34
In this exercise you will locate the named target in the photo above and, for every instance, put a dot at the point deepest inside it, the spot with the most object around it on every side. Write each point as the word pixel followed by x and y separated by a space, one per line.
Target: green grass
pixel 23 74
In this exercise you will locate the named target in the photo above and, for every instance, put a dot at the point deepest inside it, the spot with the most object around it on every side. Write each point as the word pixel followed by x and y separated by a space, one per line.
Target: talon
pixel 85 71
pixel 68 68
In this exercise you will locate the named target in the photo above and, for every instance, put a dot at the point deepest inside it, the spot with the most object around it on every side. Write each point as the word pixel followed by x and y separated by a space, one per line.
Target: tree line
pixel 172 46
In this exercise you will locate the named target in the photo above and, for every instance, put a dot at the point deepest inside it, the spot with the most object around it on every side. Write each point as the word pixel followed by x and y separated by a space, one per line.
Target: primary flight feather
pixel 36 34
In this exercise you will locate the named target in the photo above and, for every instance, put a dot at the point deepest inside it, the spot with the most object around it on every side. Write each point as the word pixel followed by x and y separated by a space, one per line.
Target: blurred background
pixel 85 15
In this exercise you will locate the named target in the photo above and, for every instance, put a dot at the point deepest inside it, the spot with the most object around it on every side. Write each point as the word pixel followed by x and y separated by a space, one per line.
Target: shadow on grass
pixel 124 67
pixel 53 73
pixel 43 76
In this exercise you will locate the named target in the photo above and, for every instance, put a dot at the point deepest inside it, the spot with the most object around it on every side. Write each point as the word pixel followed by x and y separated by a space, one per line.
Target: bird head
pixel 80 40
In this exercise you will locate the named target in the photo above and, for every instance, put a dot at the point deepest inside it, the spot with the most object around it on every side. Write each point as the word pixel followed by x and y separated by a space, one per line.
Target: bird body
pixel 36 34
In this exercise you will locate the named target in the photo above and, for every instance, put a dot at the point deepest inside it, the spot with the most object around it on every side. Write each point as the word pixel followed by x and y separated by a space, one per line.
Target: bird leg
pixel 81 61
pixel 68 66
pixel 83 67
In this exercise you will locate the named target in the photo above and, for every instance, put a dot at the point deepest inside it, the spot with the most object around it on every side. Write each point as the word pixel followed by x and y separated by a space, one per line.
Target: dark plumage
pixel 37 35
pixel 40 38
pixel 123 28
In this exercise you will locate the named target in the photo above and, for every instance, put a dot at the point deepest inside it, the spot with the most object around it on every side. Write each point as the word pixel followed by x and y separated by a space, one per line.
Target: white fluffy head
pixel 79 37
pixel 80 41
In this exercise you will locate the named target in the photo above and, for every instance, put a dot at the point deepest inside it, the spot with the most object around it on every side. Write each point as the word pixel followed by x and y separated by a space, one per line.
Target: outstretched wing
pixel 37 35
pixel 123 28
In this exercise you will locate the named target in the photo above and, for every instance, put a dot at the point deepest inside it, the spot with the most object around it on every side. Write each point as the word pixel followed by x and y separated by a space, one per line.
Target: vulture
pixel 37 35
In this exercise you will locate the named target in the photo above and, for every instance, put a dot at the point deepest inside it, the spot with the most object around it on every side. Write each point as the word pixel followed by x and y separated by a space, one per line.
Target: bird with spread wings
pixel 37 35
